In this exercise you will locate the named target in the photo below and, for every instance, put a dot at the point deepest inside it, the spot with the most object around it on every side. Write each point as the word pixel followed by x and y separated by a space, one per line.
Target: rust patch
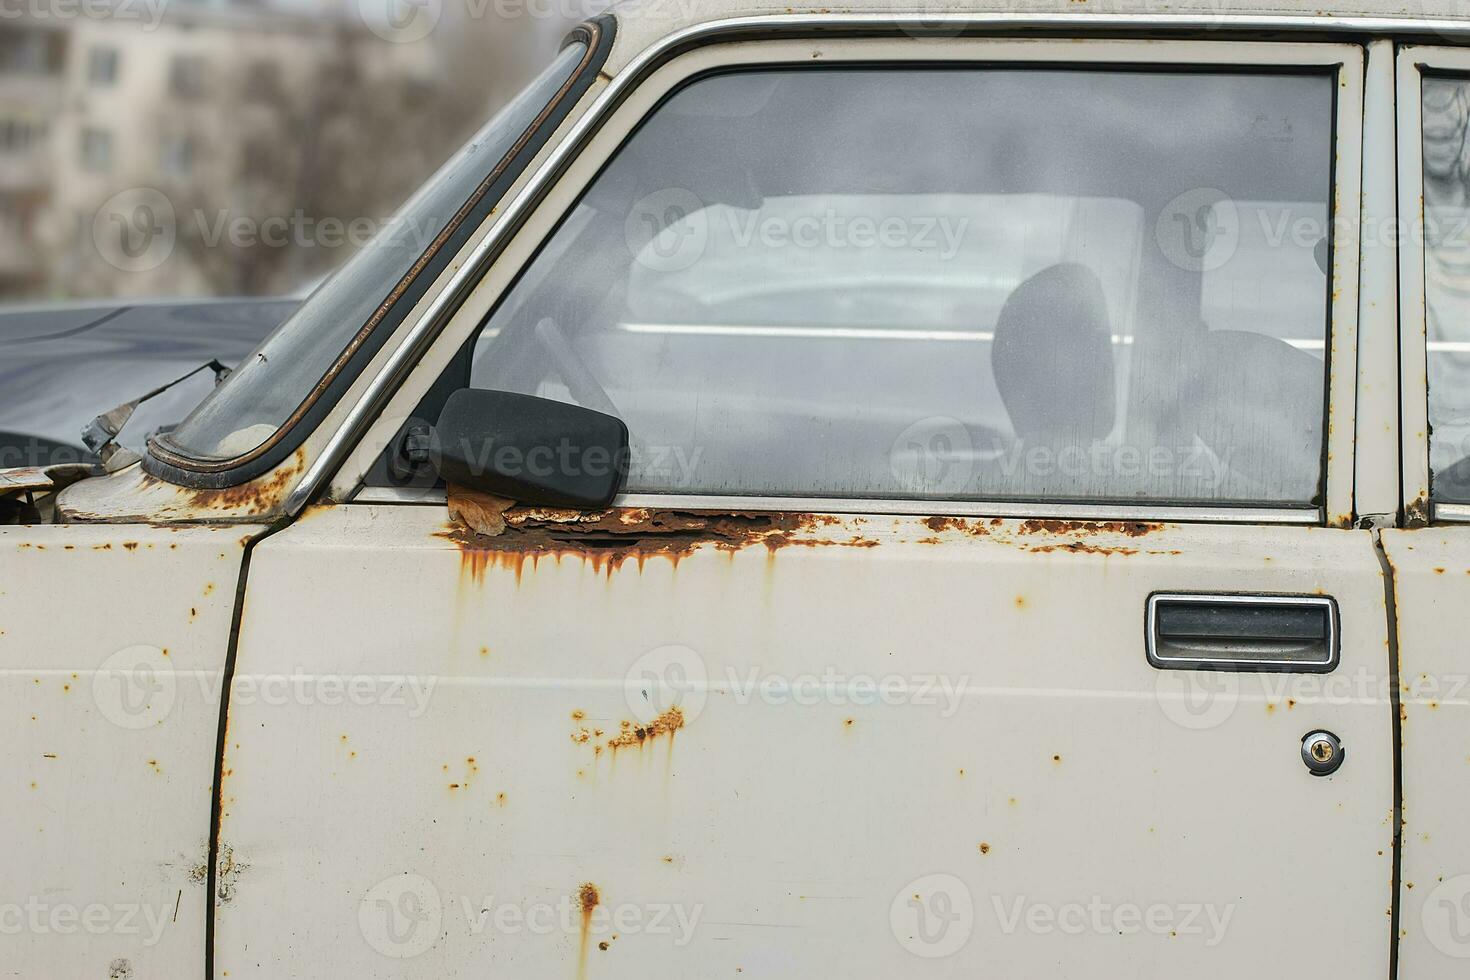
pixel 637 735
pixel 609 538
pixel 1416 513
pixel 588 898
pixel 984 848
pixel 1082 548
pixel 256 497
pixel 1133 529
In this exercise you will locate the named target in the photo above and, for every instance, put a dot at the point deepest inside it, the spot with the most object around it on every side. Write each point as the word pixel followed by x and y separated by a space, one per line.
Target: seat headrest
pixel 1053 357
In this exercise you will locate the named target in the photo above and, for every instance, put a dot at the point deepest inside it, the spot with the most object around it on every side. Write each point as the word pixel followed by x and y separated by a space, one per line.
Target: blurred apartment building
pixel 228 107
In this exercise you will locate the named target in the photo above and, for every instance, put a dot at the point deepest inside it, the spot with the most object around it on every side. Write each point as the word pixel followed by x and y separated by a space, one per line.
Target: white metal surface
pixel 1029 764
pixel 112 647
pixel 1376 480
pixel 1432 587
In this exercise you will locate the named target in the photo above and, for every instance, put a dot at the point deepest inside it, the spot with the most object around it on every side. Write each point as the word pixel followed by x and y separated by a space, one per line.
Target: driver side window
pixel 1100 285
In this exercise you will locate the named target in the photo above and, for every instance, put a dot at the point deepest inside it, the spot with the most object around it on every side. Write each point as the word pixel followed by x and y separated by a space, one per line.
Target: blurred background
pixel 203 148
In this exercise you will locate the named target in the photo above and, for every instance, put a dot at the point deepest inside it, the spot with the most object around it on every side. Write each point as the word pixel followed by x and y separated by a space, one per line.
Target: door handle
pixel 1197 631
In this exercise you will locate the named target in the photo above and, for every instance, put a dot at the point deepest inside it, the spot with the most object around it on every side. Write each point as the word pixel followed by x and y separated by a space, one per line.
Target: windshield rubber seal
pixel 170 463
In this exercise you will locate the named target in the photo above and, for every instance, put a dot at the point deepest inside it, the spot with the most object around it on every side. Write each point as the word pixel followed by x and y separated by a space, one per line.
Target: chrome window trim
pixel 904 507
pixel 441 309
pixel 1334 651
pixel 1450 513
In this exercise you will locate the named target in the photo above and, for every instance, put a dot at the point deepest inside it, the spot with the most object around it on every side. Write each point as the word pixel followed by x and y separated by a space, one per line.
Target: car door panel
pixel 898 740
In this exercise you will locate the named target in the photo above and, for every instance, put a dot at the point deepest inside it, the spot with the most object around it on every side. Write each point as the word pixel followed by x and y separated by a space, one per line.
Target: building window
pixel 17 135
pixel 96 150
pixel 102 66
pixel 186 77
pixel 178 156
pixel 263 82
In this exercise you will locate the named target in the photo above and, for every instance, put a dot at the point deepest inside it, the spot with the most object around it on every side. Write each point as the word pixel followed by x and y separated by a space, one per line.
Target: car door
pixel 1430 557
pixel 919 642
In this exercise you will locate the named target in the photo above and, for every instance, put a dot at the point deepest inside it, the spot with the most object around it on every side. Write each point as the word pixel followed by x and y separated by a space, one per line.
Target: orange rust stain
pixel 1056 758
pixel 1133 529
pixel 1020 602
pixel 1082 548
pixel 984 848
pixel 608 539
pixel 1439 571
pixel 588 898
pixel 256 497
pixel 578 715
pixel 500 799
pixel 638 735
pixel 130 545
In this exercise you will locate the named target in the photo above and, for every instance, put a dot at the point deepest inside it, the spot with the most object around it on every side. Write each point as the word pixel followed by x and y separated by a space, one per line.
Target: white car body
pixel 305 727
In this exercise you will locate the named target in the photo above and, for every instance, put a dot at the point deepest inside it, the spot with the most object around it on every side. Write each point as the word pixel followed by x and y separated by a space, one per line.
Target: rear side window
pixel 1447 284
pixel 951 283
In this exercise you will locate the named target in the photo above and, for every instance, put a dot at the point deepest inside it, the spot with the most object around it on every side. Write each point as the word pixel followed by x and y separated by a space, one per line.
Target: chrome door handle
pixel 1198 631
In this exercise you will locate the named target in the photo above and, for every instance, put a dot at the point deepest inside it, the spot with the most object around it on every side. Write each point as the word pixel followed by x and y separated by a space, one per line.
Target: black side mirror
pixel 531 450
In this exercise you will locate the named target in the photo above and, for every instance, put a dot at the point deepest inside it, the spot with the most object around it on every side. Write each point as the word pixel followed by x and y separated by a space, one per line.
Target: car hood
pixel 62 366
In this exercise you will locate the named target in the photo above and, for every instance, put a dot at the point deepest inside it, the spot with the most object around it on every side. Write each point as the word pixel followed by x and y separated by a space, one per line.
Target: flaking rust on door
pixel 609 538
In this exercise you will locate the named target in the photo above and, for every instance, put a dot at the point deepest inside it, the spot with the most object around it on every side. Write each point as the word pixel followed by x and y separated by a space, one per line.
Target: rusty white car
pixel 867 491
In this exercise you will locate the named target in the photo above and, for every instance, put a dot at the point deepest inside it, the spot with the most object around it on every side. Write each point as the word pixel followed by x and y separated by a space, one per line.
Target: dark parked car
pixel 62 366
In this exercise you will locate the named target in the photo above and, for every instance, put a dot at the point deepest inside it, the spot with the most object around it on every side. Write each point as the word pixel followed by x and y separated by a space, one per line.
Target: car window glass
pixel 1447 284
pixel 1080 285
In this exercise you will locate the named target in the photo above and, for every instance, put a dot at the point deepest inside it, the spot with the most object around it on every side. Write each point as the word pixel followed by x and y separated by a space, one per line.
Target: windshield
pixel 281 375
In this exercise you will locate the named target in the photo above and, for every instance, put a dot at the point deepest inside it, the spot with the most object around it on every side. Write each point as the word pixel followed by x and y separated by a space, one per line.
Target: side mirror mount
pixel 531 450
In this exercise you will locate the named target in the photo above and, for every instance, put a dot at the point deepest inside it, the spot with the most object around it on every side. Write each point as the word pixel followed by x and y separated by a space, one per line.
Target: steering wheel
pixel 575 373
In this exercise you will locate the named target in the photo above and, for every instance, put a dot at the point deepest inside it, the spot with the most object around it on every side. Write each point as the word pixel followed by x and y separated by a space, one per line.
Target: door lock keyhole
pixel 1323 753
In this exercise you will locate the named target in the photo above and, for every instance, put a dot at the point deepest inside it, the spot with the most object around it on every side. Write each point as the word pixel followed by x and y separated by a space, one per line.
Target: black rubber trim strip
pixel 1391 610
pixel 179 473
pixel 217 789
